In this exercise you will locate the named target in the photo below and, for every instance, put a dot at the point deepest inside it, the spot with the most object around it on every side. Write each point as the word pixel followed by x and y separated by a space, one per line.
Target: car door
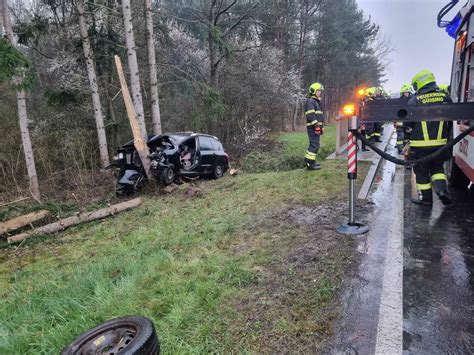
pixel 192 145
pixel 207 153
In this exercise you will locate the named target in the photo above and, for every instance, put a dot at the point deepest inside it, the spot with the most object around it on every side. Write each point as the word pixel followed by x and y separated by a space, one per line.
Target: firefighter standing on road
pixel 402 133
pixel 426 138
pixel 314 124
pixel 379 95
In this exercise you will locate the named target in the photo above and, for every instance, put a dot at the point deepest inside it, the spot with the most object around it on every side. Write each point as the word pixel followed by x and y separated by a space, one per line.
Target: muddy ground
pixel 296 300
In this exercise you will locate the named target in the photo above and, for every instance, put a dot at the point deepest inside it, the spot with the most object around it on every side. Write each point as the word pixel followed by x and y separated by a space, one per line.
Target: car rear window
pixel 207 143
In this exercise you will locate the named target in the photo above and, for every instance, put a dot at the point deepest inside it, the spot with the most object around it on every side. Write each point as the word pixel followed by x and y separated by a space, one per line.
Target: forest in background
pixel 237 69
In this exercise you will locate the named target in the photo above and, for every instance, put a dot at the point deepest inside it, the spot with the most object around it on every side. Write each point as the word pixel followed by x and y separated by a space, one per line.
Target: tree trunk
pixel 133 66
pixel 138 142
pixel 21 221
pixel 212 48
pixel 155 102
pixel 22 115
pixel 79 218
pixel 301 54
pixel 89 55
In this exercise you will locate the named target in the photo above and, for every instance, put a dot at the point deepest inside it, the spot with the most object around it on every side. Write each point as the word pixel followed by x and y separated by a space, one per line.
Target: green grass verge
pixel 172 259
pixel 289 154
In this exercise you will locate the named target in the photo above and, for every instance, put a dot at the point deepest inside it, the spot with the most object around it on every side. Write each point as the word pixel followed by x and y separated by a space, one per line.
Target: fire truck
pixel 461 28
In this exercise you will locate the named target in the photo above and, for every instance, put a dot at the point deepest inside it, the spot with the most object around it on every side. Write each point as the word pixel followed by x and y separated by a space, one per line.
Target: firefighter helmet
pixel 315 87
pixel 371 91
pixel 405 88
pixel 444 87
pixel 422 79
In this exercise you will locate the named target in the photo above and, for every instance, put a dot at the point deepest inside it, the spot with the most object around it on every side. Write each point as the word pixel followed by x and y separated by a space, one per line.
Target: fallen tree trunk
pixel 80 218
pixel 22 221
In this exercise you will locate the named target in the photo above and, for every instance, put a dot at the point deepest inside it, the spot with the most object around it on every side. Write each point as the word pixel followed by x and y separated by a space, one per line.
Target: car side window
pixel 206 143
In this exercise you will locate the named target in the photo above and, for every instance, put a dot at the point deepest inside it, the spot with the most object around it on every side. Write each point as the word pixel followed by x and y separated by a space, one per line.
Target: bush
pixel 288 152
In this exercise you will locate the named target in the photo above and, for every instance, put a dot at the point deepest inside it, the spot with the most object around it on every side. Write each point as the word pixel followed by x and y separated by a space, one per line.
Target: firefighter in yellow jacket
pixel 425 138
pixel 314 124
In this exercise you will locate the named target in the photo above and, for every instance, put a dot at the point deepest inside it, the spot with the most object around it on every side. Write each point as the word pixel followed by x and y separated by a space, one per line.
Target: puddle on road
pixel 438 287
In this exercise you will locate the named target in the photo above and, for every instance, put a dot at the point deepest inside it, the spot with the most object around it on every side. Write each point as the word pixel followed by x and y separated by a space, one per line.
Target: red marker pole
pixel 352 227
pixel 351 173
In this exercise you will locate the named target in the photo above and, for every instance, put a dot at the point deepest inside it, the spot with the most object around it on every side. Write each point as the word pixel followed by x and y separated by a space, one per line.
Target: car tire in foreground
pixel 167 175
pixel 218 171
pixel 130 335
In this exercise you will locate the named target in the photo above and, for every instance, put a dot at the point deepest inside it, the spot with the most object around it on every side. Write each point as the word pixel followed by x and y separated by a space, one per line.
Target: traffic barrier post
pixel 352 227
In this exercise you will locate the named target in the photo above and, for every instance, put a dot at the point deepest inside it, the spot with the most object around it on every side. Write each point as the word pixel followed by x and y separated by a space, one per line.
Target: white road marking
pixel 390 326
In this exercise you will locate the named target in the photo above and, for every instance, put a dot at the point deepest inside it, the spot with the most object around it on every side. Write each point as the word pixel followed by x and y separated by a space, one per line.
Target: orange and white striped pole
pixel 352 227
pixel 351 156
pixel 351 174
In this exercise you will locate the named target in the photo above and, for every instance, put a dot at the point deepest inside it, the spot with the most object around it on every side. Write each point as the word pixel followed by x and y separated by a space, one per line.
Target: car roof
pixel 175 137
pixel 183 135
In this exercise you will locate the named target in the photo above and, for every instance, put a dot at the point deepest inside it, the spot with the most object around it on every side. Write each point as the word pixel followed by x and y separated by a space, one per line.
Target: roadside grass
pixel 288 153
pixel 176 259
pixel 296 143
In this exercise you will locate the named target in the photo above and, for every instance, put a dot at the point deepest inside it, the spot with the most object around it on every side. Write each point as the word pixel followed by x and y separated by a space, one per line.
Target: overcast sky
pixel 418 42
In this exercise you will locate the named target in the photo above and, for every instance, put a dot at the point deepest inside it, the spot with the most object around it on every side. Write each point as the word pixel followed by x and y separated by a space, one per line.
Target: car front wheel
pixel 218 171
pixel 168 175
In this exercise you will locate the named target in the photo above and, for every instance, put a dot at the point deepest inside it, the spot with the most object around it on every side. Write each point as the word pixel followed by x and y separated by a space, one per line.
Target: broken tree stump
pixel 74 220
pixel 22 221
pixel 138 141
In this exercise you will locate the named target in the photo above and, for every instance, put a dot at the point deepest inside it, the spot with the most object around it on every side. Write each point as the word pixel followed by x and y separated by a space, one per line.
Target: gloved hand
pixel 318 129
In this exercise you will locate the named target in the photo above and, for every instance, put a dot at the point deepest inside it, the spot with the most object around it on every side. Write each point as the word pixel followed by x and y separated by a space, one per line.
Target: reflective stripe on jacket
pixel 426 134
pixel 313 111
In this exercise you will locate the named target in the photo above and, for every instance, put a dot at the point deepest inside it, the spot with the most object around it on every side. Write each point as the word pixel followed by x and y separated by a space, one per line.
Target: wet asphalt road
pixel 438 276
pixel 424 262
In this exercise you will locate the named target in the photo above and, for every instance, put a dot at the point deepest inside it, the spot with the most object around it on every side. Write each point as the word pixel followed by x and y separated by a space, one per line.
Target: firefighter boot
pixel 312 165
pixel 425 198
pixel 441 188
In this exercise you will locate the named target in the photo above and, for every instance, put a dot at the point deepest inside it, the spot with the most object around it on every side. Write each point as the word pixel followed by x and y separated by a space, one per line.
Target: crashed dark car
pixel 172 155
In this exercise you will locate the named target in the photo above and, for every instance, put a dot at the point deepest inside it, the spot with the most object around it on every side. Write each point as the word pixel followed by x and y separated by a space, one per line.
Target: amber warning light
pixel 361 92
pixel 348 110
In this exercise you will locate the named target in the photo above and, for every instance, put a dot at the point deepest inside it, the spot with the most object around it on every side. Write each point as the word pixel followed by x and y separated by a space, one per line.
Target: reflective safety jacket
pixel 428 134
pixel 313 111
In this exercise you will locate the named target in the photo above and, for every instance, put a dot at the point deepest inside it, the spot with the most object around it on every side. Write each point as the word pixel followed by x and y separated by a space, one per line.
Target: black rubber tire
pixel 218 171
pixel 456 177
pixel 168 175
pixel 145 340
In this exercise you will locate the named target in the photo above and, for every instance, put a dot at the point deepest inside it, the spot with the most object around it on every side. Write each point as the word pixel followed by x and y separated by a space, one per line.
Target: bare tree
pixel 155 103
pixel 307 9
pixel 22 114
pixel 90 58
pixel 133 66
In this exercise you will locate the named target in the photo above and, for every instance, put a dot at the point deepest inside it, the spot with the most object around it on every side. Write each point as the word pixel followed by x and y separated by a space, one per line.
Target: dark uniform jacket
pixel 313 111
pixel 428 135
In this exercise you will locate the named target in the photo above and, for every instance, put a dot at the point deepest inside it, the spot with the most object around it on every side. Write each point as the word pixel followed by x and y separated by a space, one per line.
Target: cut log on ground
pixel 80 218
pixel 22 221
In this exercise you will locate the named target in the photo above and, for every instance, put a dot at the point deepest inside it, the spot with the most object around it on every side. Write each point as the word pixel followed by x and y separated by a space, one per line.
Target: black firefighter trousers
pixel 313 144
pixel 431 173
